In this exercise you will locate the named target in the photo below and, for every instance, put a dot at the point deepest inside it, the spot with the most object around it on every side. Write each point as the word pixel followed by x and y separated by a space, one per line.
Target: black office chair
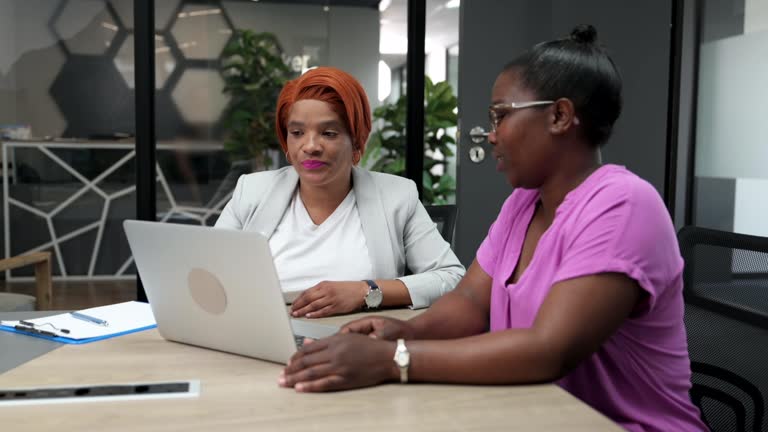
pixel 726 317
pixel 445 218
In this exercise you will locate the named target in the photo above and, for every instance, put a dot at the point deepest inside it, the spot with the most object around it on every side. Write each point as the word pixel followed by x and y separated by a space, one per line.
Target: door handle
pixel 477 152
pixel 478 134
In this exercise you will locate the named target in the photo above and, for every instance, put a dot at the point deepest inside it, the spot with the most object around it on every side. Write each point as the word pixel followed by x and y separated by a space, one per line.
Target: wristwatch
pixel 374 296
pixel 402 360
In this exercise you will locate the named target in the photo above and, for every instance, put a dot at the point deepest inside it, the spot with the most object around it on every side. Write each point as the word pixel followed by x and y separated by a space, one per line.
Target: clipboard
pixel 119 319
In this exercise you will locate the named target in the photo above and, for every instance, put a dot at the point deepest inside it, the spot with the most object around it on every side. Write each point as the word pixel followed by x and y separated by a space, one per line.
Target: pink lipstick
pixel 312 164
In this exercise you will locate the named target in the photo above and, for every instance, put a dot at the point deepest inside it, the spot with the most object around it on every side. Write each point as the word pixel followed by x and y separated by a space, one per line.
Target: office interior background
pixel 68 107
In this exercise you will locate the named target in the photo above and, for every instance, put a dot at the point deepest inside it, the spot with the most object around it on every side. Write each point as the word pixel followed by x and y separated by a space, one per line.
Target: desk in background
pixel 76 204
pixel 240 393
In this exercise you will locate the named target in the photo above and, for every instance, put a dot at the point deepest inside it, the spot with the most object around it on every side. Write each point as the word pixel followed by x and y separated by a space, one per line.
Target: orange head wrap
pixel 336 87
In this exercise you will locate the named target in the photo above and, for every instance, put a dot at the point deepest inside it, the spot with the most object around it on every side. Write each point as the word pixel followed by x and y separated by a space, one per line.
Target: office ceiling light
pixel 204 12
pixel 452 4
pixel 391 43
pixel 384 4
pixel 109 26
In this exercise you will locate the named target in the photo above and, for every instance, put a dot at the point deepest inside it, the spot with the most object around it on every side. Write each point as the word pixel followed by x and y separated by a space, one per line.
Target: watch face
pixel 403 358
pixel 373 299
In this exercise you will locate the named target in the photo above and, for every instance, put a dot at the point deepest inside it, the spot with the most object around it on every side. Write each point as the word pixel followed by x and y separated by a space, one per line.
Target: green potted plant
pixel 386 148
pixel 254 73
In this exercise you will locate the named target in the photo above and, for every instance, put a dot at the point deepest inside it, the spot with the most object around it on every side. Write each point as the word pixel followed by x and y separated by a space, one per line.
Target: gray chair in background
pixel 445 218
pixel 726 317
pixel 12 302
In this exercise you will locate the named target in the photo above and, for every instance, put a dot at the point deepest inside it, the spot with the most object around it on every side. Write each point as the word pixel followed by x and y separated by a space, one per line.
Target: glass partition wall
pixel 215 113
pixel 441 46
pixel 730 182
pixel 66 127
pixel 68 111
pixel 387 150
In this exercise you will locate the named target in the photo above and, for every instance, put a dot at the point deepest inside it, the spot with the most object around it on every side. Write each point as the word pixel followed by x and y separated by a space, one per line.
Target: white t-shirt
pixel 306 254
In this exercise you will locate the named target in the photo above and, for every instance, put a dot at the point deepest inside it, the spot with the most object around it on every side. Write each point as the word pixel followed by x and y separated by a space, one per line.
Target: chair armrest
pixel 42 263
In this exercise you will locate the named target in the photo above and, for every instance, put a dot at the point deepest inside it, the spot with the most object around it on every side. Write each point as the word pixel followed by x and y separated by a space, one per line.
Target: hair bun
pixel 584 33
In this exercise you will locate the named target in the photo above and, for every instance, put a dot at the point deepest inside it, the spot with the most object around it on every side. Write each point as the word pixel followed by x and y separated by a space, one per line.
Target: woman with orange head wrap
pixel 341 236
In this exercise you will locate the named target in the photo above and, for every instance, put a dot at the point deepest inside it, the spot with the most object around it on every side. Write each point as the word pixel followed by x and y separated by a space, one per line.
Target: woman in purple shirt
pixel 579 279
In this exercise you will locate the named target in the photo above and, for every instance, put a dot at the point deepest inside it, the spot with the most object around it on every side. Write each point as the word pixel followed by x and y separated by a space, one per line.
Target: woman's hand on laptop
pixel 378 327
pixel 330 298
pixel 340 362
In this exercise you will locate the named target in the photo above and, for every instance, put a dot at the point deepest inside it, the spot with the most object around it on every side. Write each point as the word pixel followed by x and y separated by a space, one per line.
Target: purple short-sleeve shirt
pixel 613 222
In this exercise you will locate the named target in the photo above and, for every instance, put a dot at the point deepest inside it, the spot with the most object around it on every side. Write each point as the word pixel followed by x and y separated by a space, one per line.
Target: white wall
pixel 7 36
pixel 755 15
pixel 751 207
pixel 732 128
pixel 24 27
pixel 7 54
pixel 354 45
pixel 30 59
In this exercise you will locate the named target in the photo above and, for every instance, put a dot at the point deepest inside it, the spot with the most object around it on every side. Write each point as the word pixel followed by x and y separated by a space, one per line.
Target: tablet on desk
pixel 97 393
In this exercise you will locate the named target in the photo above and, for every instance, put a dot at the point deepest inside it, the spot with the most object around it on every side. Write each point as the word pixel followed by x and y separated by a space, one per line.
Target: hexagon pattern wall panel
pixel 201 31
pixel 164 10
pixel 86 26
pixel 88 91
pixel 97 103
pixel 165 63
pixel 93 91
pixel 199 96
pixel 31 76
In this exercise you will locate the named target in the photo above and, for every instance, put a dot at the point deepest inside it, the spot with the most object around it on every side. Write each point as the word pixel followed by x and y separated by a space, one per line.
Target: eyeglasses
pixel 496 112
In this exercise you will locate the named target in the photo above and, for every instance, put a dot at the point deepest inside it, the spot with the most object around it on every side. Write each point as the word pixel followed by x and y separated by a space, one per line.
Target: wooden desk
pixel 240 393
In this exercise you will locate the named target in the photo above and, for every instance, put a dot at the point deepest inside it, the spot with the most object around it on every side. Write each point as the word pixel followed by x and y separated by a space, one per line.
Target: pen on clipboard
pixel 88 318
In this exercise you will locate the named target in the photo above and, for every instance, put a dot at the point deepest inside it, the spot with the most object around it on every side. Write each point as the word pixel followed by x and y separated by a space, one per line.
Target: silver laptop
pixel 216 288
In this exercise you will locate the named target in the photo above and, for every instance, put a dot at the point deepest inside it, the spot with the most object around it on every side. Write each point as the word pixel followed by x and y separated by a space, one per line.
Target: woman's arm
pixel 230 215
pixel 337 297
pixel 436 272
pixel 462 312
pixel 577 316
pixel 575 319
pixel 471 302
pixel 394 292
pixel 435 267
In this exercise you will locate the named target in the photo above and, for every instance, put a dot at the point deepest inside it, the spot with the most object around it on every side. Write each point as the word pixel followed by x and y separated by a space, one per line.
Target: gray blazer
pixel 397 228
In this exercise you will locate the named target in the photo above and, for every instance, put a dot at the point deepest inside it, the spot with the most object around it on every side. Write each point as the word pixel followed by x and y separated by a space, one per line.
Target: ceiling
pixel 357 3
pixel 442 26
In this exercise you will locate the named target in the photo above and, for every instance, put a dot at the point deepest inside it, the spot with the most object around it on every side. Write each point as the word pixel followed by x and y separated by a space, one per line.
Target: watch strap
pixel 402 360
